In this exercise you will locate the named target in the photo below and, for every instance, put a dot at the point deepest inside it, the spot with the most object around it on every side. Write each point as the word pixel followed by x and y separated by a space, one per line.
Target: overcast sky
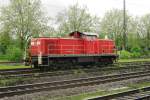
pixel 96 7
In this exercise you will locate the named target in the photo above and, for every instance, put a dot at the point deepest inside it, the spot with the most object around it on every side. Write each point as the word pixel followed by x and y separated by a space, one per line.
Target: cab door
pixel 90 46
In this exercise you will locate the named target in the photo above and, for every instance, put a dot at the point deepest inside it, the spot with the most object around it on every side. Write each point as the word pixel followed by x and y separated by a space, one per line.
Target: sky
pixel 95 7
pixel 99 7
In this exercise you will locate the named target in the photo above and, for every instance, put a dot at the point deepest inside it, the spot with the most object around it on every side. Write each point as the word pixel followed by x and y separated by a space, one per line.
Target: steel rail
pixel 145 97
pixel 11 62
pixel 37 73
pixel 135 62
pixel 18 71
pixel 134 94
pixel 47 86
pixel 41 74
pixel 13 71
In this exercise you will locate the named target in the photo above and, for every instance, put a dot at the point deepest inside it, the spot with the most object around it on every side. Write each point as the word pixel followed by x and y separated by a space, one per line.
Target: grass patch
pixel 13 66
pixel 133 60
pixel 3 60
pixel 12 82
pixel 139 85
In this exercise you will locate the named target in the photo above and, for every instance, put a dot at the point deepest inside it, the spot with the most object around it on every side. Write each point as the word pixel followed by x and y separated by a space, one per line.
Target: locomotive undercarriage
pixel 65 62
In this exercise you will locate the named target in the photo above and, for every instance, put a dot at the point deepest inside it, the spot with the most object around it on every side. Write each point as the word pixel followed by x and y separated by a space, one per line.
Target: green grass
pixel 13 66
pixel 12 82
pixel 7 66
pixel 139 85
pixel 3 60
pixel 133 60
pixel 84 96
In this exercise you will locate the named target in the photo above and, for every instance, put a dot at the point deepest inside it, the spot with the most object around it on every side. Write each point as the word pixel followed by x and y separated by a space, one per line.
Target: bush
pixel 125 54
pixel 13 53
pixel 136 54
pixel 3 57
pixel 136 49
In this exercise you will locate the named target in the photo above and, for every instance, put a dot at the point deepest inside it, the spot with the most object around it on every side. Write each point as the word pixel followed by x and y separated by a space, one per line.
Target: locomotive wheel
pixel 34 65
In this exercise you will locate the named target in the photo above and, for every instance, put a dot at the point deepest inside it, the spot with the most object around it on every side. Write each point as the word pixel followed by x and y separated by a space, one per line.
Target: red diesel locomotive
pixel 79 47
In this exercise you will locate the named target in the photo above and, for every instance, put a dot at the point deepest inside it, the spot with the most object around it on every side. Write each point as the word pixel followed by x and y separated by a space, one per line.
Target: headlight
pixel 32 43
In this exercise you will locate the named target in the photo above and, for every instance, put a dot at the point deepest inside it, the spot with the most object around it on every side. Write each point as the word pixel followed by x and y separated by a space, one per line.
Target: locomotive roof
pixel 46 38
pixel 85 33
pixel 90 33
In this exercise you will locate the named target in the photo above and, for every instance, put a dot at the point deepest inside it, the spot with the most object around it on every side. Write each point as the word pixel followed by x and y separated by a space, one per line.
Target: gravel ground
pixel 50 95
pixel 74 91
pixel 77 74
pixel 80 75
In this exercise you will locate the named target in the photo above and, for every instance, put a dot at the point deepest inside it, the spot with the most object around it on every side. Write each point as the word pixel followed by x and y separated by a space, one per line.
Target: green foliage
pixel 125 54
pixel 14 53
pixel 136 49
pixel 5 40
pixel 3 57
pixel 111 25
pixel 145 30
pixel 2 49
pixel 146 53
pixel 136 54
pixel 23 19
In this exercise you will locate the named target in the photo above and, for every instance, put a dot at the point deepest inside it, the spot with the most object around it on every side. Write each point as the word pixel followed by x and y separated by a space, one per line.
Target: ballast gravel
pixel 82 74
pixel 58 94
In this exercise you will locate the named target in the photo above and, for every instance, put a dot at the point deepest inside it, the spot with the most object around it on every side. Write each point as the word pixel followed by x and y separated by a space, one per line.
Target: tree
pixel 23 19
pixel 76 18
pixel 112 25
pixel 135 38
pixel 5 41
pixel 145 30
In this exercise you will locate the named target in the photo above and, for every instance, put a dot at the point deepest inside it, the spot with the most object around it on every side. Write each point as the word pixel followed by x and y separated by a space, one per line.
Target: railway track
pixel 9 71
pixel 135 94
pixel 48 86
pixel 27 73
pixel 11 63
pixel 125 63
pixel 135 62
pixel 18 71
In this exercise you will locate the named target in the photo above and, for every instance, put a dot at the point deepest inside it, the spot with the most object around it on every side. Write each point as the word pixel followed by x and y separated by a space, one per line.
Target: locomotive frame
pixel 61 60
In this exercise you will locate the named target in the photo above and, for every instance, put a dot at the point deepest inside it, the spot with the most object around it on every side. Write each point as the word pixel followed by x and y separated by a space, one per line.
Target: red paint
pixel 77 43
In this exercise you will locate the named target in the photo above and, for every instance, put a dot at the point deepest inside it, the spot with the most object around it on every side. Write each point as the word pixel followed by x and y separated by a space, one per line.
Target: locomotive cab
pixel 84 35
